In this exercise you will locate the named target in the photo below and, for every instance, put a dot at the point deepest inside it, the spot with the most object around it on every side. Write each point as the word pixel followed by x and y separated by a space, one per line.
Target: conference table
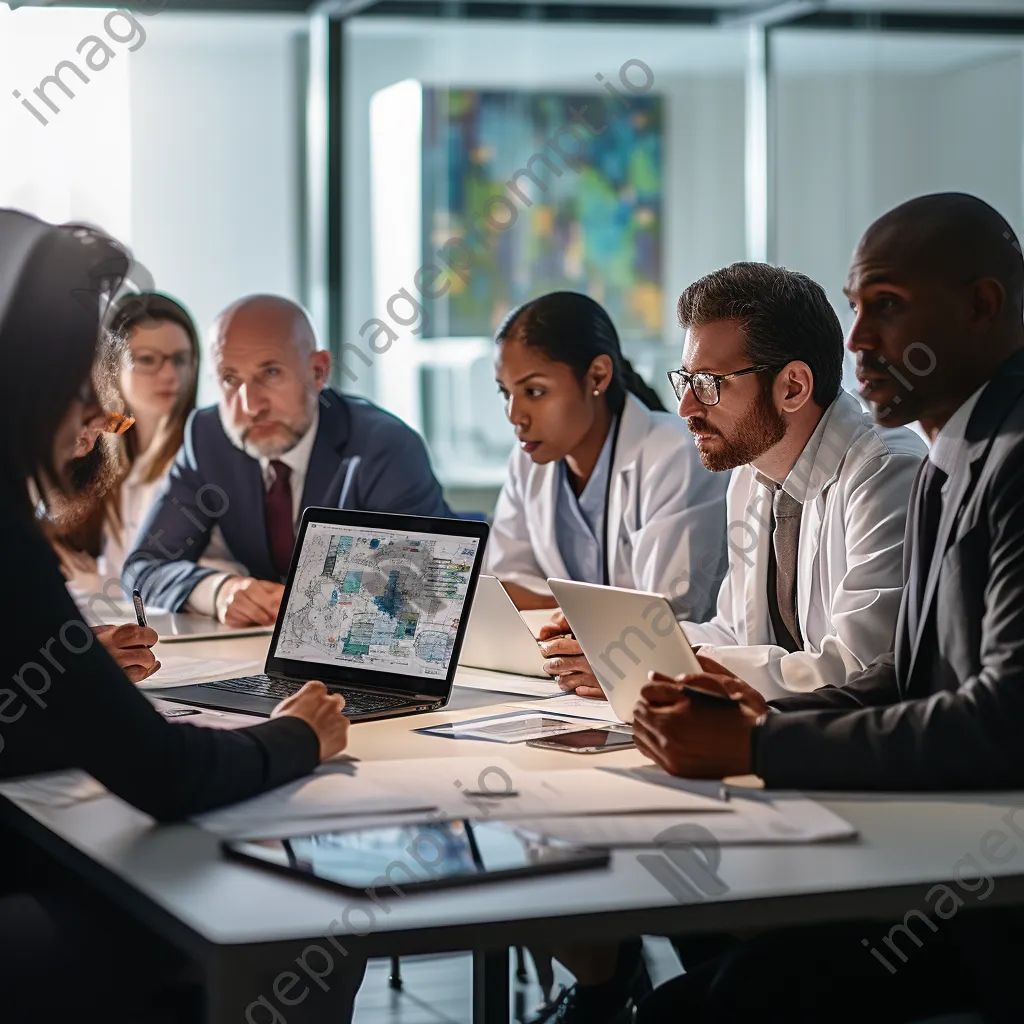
pixel 246 928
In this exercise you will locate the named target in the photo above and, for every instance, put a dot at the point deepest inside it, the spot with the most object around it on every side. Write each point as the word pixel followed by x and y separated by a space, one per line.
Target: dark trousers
pixel 825 973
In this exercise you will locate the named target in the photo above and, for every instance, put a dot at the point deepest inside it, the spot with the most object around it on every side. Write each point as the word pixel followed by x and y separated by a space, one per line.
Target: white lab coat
pixel 665 514
pixel 854 479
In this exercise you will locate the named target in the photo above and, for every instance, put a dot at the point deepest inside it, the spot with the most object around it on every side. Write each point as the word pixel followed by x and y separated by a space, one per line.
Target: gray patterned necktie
pixel 782 564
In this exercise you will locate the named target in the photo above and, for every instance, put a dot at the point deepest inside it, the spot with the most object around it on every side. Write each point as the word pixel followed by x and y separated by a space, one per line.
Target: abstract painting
pixel 586 218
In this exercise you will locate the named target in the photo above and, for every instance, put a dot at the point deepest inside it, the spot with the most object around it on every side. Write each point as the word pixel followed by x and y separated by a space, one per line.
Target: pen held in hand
pixel 140 608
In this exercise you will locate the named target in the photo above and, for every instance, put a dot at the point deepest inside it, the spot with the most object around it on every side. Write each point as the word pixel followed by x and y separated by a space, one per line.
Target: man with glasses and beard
pixel 816 511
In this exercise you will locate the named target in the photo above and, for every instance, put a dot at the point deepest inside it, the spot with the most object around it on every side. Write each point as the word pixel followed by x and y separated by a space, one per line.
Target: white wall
pixel 852 146
pixel 186 148
pixel 215 158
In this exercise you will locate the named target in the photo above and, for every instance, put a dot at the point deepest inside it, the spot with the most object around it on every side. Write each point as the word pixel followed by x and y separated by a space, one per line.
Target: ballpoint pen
pixel 140 608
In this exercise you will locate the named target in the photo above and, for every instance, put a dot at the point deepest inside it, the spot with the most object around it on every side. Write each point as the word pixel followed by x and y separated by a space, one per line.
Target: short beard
pixel 762 428
pixel 89 480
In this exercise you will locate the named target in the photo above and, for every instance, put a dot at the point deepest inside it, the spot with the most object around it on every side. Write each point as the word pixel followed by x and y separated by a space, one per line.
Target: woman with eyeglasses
pixel 157 373
pixel 65 703
pixel 148 364
pixel 604 486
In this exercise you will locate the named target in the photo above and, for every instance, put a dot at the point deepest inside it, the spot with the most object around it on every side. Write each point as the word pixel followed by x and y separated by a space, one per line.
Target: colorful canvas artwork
pixel 549 191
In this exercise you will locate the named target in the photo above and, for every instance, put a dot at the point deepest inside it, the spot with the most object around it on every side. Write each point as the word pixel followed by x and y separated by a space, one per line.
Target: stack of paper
pixel 181 669
pixel 315 803
pixel 572 706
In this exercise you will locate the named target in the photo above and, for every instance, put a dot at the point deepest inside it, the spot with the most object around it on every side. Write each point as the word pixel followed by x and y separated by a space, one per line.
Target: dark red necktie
pixel 280 526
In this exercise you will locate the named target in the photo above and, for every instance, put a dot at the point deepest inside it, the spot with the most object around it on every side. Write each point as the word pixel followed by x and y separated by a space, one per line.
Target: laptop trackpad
pixel 221 700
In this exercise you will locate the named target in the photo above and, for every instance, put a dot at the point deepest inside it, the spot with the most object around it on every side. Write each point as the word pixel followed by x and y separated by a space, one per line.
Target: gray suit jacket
pixel 363 458
pixel 944 709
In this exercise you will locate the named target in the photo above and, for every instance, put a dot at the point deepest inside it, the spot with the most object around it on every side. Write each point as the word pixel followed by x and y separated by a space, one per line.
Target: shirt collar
pixel 799 481
pixel 947 449
pixel 598 481
pixel 297 458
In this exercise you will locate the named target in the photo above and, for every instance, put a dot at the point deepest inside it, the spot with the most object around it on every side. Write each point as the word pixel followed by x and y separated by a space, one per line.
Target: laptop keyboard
pixel 356 703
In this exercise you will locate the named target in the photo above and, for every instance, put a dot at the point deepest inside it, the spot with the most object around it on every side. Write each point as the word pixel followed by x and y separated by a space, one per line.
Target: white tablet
pixel 625 634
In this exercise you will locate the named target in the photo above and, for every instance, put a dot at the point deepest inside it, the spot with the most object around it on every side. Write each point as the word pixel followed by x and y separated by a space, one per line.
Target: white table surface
pixel 906 843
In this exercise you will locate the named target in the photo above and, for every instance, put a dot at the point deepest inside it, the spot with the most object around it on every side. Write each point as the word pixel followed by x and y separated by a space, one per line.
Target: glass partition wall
pixel 738 142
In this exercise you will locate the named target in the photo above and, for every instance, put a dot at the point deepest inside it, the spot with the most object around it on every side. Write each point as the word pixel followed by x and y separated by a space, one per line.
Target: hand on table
pixel 322 712
pixel 691 739
pixel 129 645
pixel 566 660
pixel 245 601
pixel 568 664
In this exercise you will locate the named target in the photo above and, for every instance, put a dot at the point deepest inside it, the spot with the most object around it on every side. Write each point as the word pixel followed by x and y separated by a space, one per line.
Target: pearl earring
pixel 597 392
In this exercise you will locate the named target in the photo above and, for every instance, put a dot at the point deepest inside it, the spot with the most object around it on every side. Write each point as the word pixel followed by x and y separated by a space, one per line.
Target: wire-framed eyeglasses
pixel 706 387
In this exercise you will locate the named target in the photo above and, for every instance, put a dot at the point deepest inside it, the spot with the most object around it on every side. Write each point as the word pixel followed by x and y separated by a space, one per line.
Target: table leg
pixel 490 986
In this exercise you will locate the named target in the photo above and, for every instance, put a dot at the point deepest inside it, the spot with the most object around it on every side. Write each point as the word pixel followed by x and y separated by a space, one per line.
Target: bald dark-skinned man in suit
pixel 937 286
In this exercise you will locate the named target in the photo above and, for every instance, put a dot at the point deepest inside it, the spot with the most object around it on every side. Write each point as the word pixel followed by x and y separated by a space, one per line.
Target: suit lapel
pixel 327 464
pixel 956 493
pixel 253 496
pixel 905 623
pixel 1003 390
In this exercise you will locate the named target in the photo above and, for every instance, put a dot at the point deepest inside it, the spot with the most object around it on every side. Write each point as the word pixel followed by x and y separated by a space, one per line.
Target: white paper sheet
pixel 571 705
pixel 785 819
pixel 328 795
pixel 492 787
pixel 54 789
pixel 505 682
pixel 182 669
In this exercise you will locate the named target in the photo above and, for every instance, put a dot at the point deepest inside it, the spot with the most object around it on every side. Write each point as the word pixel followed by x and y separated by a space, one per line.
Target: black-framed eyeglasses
pixel 706 387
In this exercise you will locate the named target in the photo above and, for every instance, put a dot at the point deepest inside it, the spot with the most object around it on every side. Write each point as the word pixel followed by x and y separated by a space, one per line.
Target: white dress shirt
pixel 203 597
pixel 137 497
pixel 854 480
pixel 947 448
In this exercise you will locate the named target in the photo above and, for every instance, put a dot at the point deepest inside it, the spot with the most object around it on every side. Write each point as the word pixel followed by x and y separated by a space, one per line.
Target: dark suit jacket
pixel 945 709
pixel 363 458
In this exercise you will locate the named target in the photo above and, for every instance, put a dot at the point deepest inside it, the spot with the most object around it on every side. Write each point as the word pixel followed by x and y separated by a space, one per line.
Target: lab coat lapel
pixel 633 428
pixel 540 512
pixel 758 518
pixel 807 557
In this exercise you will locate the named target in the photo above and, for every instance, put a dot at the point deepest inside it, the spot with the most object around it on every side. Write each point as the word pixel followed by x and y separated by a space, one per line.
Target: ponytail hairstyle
pixel 573 329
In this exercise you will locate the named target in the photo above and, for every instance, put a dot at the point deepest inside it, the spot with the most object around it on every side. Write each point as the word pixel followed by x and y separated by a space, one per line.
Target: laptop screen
pixel 368 598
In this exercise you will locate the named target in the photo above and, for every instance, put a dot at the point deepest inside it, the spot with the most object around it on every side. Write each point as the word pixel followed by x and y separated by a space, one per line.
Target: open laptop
pixel 376 606
pixel 499 638
pixel 624 634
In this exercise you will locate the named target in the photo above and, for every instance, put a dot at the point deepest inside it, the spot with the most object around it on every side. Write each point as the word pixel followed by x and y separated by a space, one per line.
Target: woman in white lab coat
pixel 604 486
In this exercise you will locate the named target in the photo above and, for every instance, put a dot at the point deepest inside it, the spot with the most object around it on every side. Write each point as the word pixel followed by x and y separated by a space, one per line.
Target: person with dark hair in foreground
pixel 937 285
pixel 65 702
pixel 816 510
pixel 605 486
